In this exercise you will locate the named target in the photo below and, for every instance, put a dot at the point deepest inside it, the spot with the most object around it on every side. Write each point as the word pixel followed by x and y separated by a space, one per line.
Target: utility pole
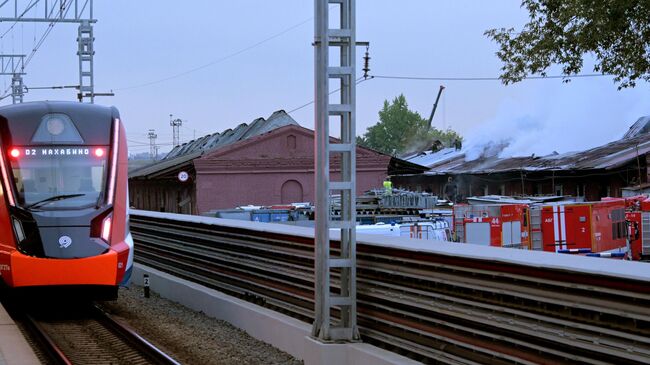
pixel 153 149
pixel 343 71
pixel 176 130
pixel 13 65
pixel 63 11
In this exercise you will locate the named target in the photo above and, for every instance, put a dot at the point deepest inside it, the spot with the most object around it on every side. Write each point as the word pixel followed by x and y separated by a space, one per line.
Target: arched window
pixel 291 192
pixel 291 142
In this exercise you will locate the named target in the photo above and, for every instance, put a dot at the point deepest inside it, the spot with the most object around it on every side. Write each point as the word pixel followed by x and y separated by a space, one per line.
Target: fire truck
pixel 594 227
pixel 500 225
pixel 637 215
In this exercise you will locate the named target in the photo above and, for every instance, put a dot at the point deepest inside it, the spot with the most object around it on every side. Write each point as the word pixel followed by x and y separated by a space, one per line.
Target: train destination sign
pixel 57 151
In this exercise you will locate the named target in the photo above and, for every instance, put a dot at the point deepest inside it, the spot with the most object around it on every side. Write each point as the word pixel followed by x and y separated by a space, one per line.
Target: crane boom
pixel 435 105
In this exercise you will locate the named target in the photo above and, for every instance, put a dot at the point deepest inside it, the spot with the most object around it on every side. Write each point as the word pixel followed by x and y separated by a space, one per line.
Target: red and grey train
pixel 63 203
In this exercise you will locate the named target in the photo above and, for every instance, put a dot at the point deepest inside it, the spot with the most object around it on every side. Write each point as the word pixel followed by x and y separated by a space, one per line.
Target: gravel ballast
pixel 191 337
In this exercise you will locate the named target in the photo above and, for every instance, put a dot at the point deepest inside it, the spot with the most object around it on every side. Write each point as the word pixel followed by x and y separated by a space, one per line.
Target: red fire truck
pixel 592 226
pixel 637 216
pixel 503 225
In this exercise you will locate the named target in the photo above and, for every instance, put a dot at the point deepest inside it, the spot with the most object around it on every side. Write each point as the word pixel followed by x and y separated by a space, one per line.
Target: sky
pixel 216 64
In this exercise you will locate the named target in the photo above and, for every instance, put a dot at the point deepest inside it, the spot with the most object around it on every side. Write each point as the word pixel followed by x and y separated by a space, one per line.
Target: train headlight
pixel 55 126
pixel 106 228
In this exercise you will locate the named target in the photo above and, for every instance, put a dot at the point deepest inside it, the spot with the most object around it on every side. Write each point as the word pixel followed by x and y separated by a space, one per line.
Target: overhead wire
pixel 357 81
pixel 29 6
pixel 219 60
pixel 397 77
pixel 42 39
pixel 45 35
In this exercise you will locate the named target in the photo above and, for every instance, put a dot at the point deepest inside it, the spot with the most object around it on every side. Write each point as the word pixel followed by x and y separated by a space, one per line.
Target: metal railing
pixel 429 306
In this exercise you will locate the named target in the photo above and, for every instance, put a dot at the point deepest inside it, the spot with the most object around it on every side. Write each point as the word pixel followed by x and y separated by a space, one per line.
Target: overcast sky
pixel 249 58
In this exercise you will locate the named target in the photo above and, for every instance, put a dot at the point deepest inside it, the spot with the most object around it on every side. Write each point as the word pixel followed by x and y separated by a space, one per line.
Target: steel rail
pixel 137 347
pixel 430 307
pixel 49 347
pixel 134 339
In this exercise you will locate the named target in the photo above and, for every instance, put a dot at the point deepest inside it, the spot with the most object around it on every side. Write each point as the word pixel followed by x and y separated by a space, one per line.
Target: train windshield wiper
pixel 51 199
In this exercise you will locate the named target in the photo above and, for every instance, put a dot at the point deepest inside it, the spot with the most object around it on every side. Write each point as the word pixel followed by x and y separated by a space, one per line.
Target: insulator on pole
pixel 366 63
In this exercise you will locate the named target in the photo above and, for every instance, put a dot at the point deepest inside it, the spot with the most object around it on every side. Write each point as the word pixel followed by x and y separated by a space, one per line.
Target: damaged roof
pixel 185 153
pixel 641 126
pixel 607 157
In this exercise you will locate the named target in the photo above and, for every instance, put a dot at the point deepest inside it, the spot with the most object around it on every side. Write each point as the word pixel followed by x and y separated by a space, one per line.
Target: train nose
pixel 70 242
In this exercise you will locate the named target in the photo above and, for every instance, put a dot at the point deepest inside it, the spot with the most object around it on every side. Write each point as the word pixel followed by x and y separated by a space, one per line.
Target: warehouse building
pixel 267 162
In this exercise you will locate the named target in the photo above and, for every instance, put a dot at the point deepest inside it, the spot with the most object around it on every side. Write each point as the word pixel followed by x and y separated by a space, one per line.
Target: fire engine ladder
pixel 342 263
pixel 536 228
pixel 86 54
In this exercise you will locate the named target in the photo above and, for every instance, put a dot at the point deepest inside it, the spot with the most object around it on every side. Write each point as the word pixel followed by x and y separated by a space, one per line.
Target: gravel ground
pixel 189 336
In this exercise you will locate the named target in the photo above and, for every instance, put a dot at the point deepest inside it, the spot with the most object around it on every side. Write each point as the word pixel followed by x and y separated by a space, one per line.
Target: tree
pixel 400 131
pixel 615 32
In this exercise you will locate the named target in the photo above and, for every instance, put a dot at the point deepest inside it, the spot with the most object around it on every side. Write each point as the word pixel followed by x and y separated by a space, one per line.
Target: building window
pixel 558 190
pixel 502 189
pixel 291 192
pixel 291 142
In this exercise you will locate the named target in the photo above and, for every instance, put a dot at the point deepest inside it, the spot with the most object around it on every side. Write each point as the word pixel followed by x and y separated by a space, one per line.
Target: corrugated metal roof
pixel 196 148
pixel 432 159
pixel 243 131
pixel 641 126
pixel 606 157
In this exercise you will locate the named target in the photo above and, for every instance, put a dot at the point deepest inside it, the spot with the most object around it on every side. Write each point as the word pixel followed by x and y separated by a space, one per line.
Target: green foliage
pixel 615 32
pixel 401 131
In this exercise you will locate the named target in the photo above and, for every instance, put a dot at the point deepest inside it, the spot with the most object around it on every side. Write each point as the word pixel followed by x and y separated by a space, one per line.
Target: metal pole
pixel 345 261
pixel 321 169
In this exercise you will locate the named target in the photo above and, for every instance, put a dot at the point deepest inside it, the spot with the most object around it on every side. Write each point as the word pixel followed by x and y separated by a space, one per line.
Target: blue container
pixel 279 215
pixel 260 216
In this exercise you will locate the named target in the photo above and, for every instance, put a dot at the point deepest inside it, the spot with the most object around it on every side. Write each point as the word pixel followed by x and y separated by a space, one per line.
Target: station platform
pixel 14 349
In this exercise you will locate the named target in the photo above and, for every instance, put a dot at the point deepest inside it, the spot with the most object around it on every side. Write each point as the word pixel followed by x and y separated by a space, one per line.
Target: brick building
pixel 265 163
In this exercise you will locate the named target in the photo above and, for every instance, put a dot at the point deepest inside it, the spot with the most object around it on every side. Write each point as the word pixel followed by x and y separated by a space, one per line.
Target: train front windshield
pixel 59 177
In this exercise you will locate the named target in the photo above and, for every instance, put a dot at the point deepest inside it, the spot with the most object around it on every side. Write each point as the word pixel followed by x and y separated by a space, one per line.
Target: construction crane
pixel 435 105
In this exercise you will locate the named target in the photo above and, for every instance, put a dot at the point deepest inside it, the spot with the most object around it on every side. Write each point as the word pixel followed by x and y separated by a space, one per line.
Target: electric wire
pixel 29 6
pixel 41 40
pixel 397 77
pixel 358 81
pixel 219 60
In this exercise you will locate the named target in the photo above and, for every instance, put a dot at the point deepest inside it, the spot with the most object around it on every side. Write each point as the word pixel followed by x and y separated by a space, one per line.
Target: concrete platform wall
pixel 284 332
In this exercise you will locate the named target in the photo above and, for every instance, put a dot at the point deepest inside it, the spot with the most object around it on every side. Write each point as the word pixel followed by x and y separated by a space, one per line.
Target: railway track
pixel 85 334
pixel 430 307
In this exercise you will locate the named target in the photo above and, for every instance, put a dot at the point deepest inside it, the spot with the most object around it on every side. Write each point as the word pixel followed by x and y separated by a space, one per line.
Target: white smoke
pixel 561 117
